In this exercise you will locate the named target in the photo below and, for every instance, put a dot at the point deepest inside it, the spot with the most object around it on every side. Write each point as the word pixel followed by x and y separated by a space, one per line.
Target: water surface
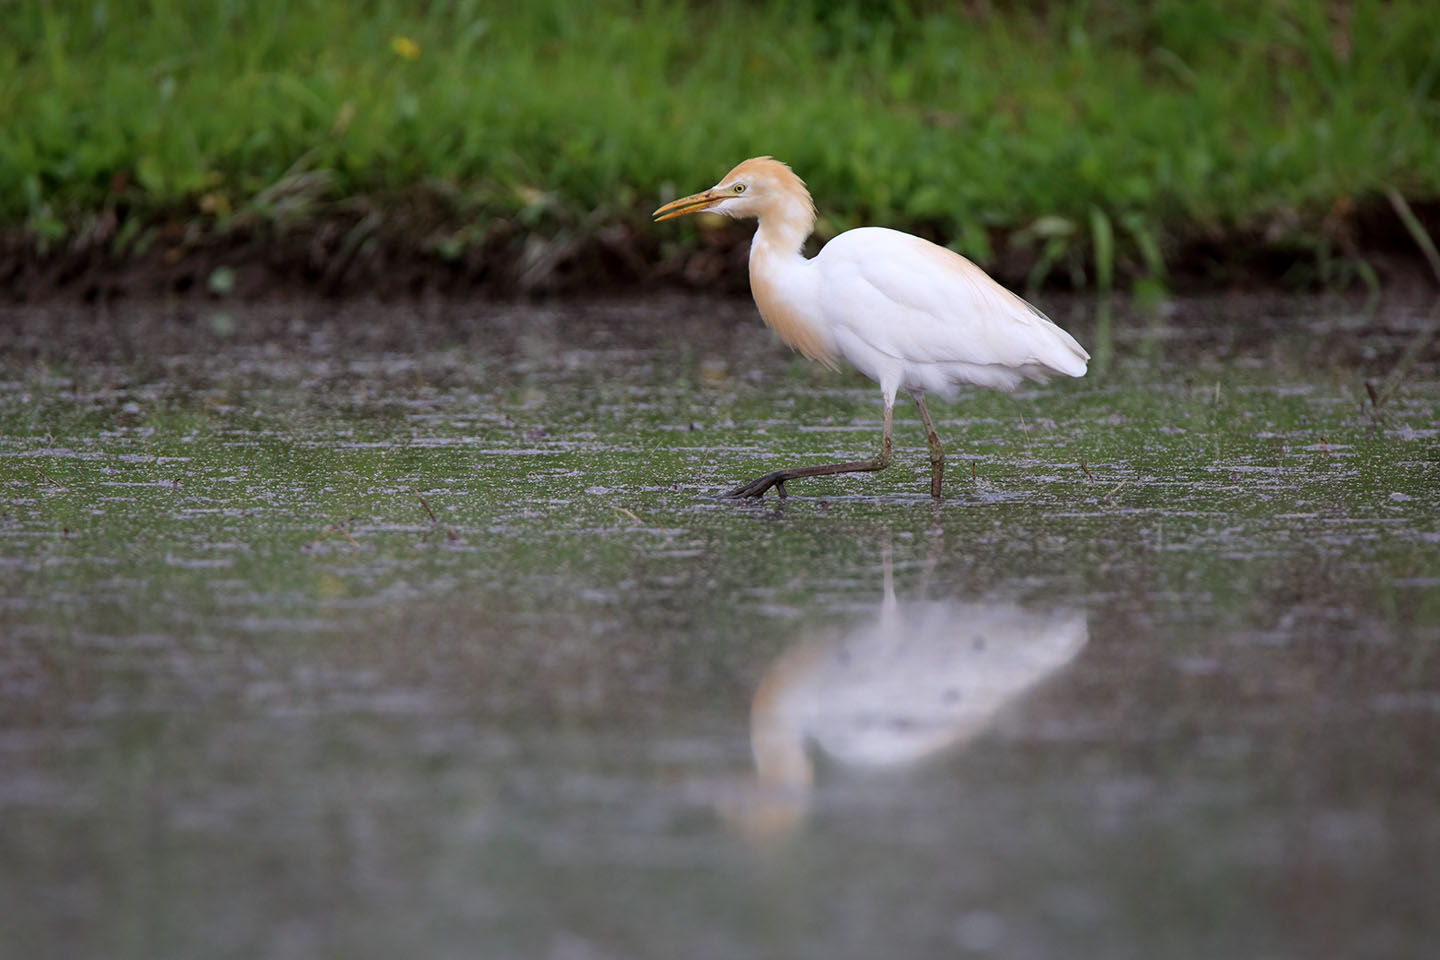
pixel 366 631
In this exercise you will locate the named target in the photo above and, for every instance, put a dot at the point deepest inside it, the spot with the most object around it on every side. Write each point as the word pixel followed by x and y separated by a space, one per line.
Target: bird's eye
pixel 739 188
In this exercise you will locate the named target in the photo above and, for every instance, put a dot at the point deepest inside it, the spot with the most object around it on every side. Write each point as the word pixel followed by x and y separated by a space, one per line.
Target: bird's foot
pixel 756 488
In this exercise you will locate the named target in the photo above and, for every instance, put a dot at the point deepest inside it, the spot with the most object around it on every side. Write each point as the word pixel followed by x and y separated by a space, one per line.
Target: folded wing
pixel 920 304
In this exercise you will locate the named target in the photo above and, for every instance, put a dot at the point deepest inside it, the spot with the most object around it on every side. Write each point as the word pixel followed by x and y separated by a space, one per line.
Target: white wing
pixel 891 297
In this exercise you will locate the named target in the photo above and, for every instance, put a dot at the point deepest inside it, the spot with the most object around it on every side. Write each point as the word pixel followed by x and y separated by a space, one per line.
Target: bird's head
pixel 755 188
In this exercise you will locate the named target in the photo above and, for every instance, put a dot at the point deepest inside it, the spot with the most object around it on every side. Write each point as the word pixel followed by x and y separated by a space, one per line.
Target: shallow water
pixel 359 631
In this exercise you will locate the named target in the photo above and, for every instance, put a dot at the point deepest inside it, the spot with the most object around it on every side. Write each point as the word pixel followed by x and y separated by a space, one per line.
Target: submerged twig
pixel 334 530
pixel 1087 470
pixel 450 533
pixel 49 479
pixel 1417 344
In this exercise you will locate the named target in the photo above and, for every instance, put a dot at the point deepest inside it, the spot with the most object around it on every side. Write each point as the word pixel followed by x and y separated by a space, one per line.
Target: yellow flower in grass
pixel 405 47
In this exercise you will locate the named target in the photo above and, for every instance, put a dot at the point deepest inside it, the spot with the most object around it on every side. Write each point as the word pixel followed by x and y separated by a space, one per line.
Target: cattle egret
pixel 910 315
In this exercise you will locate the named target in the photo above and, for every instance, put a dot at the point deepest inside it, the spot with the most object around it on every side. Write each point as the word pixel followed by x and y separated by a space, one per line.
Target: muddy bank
pixel 360 250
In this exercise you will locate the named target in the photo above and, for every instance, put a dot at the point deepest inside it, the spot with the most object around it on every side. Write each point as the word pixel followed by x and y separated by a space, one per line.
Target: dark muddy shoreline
pixel 353 255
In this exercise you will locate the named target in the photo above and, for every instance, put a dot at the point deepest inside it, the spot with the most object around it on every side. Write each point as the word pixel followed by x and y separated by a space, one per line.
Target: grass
pixel 1093 140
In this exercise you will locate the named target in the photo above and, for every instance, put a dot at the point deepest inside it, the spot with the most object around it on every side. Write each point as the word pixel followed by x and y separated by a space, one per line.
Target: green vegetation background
pixel 1097 135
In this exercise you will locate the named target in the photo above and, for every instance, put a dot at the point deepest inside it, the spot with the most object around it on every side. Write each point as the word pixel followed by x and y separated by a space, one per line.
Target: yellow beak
pixel 695 203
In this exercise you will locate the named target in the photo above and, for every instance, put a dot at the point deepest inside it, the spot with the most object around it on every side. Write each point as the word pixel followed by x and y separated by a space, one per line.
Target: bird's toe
pixel 754 489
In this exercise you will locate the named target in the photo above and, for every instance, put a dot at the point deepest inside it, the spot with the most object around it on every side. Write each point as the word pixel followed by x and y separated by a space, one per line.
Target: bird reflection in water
pixel 918 678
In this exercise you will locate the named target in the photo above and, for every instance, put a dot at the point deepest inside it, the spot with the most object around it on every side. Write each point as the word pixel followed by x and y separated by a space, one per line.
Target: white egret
pixel 909 314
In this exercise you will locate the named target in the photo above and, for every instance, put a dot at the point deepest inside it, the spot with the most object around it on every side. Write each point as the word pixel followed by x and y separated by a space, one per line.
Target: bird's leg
pixel 758 486
pixel 937 452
